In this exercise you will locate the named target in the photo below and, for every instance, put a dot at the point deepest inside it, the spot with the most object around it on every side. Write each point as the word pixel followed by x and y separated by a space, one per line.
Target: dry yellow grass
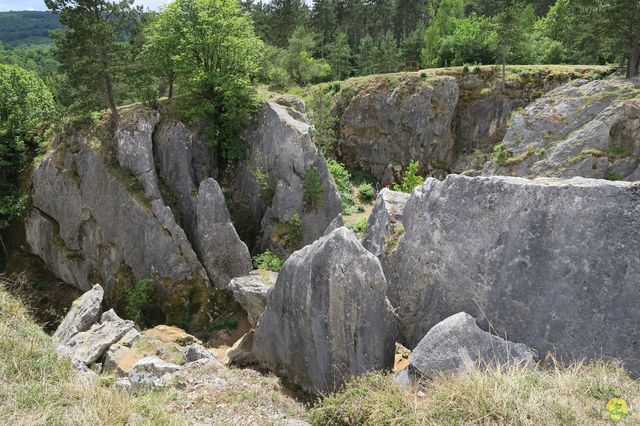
pixel 571 395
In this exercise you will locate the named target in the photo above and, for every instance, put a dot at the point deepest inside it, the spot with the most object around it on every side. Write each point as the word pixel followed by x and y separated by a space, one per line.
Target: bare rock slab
pixel 251 292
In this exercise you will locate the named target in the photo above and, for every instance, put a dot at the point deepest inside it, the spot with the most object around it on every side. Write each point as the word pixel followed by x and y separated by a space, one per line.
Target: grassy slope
pixel 36 387
pixel 574 395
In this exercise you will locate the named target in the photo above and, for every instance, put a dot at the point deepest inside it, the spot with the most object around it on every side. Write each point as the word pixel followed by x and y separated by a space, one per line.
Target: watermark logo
pixel 617 409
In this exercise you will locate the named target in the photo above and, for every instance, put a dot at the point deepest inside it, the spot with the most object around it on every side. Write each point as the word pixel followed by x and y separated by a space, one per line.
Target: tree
pixel 470 43
pixel 161 50
pixel 299 61
pixel 215 56
pixel 25 104
pixel 323 18
pixel 367 56
pixel 89 50
pixel 510 28
pixel 387 54
pixel 285 17
pixel 412 45
pixel 442 26
pixel 340 56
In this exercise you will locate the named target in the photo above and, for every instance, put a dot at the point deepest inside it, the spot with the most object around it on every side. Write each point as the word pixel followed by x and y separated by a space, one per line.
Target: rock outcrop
pixel 436 117
pixel 588 129
pixel 84 312
pixel 457 344
pixel 91 221
pixel 385 228
pixel 326 317
pixel 550 263
pixel 282 166
pixel 251 292
pixel 381 126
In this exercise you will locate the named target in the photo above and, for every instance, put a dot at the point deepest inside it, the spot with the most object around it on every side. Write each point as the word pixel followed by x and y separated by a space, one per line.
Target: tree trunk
pixel 170 88
pixel 504 69
pixel 111 99
pixel 634 59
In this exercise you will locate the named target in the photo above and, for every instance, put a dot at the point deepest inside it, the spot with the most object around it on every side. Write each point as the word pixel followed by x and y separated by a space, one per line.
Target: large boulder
pixel 551 263
pixel 385 228
pixel 385 125
pixel 251 292
pixel 270 183
pixel 216 241
pixel 326 317
pixel 85 311
pixel 457 344
pixel 588 129
pixel 89 346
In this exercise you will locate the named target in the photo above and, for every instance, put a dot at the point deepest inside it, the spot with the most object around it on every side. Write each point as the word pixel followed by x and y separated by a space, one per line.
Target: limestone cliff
pixel 435 116
pixel 145 204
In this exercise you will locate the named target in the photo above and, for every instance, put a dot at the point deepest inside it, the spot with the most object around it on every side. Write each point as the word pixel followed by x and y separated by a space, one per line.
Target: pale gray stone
pixel 84 312
pixel 385 222
pixel 326 316
pixel 195 352
pixel 151 372
pixel 217 243
pixel 458 345
pixel 551 263
pixel 251 292
pixel 89 346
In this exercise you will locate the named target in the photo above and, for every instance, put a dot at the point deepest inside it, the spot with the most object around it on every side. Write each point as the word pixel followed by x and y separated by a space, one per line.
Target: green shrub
pixel 359 227
pixel 342 178
pixel 229 323
pixel 313 190
pixel 410 179
pixel 266 189
pixel 366 192
pixel 501 155
pixel 296 233
pixel 268 261
pixel 325 122
pixel 612 175
pixel 138 298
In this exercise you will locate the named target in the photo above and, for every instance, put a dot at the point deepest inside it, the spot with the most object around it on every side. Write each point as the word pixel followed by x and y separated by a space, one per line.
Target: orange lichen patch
pixel 170 334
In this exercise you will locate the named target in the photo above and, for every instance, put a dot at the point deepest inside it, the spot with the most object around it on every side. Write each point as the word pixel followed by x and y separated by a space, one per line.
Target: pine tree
pixel 340 56
pixel 387 54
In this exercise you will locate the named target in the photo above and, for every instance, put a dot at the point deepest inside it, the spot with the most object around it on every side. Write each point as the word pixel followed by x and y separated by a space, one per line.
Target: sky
pixel 6 5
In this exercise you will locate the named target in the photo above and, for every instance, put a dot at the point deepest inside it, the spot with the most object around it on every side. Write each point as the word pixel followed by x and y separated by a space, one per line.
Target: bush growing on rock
pixel 268 261
pixel 139 298
pixel 410 179
pixel 313 190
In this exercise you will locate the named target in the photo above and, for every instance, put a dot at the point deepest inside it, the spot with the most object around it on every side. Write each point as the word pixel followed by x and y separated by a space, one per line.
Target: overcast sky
pixel 6 5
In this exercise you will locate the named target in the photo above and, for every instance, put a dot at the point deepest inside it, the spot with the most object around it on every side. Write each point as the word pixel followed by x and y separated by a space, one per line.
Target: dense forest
pixel 220 52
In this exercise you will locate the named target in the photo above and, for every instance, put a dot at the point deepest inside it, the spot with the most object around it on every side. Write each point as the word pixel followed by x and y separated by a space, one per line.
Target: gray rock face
pixel 240 353
pixel 217 243
pixel 282 152
pixel 84 312
pixel 326 316
pixel 457 344
pixel 588 129
pixel 412 122
pixel 385 226
pixel 151 372
pixel 89 346
pixel 183 161
pixel 87 223
pixel 251 292
pixel 336 223
pixel 81 371
pixel 550 263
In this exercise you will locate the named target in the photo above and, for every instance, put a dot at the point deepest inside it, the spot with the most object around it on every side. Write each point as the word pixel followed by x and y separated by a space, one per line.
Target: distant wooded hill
pixel 27 27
